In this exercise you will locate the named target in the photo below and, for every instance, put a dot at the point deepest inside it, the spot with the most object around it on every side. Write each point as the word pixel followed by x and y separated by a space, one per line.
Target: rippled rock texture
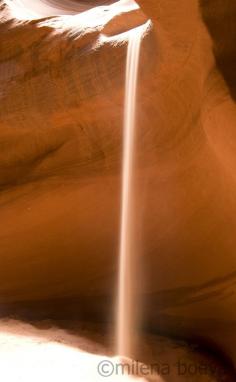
pixel 62 90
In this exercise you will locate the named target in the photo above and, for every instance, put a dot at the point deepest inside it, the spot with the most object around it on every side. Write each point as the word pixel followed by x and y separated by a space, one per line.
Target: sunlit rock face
pixel 62 90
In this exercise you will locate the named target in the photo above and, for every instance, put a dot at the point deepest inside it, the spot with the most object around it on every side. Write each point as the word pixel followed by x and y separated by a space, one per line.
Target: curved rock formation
pixel 62 87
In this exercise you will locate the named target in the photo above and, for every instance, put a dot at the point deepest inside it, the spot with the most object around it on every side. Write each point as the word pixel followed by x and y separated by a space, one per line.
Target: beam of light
pixel 76 25
pixel 93 19
pixel 125 319
pixel 91 16
pixel 45 8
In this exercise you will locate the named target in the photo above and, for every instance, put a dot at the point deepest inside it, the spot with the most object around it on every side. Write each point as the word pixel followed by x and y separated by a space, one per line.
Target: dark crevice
pixel 220 19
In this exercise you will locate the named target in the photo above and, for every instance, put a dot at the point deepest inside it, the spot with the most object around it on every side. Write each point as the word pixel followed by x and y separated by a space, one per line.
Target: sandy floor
pixel 50 354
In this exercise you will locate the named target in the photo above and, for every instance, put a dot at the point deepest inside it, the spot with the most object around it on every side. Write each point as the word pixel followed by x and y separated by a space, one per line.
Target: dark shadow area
pixel 220 19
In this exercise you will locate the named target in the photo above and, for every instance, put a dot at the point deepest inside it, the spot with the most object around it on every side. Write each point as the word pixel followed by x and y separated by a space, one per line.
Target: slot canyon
pixel 62 71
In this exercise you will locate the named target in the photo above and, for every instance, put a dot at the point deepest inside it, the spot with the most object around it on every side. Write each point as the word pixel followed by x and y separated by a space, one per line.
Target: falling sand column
pixel 125 315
